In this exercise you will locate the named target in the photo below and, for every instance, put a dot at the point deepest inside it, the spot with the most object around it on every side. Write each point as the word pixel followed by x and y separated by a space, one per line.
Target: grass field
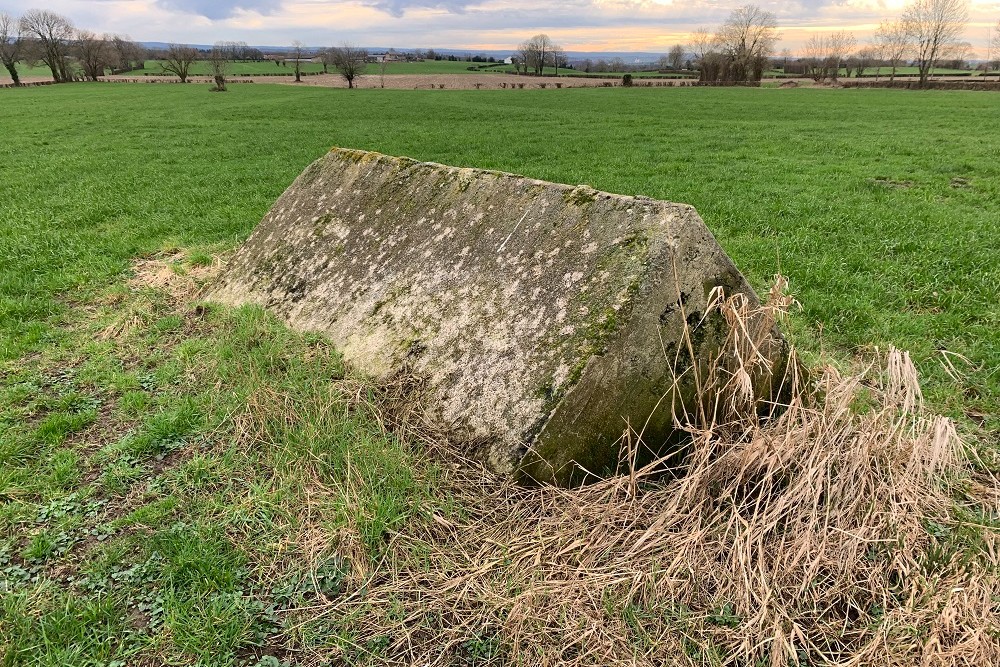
pixel 26 70
pixel 179 484
pixel 203 68
pixel 251 68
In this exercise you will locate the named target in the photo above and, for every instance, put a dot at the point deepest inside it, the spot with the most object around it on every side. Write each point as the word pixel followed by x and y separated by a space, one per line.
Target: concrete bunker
pixel 539 314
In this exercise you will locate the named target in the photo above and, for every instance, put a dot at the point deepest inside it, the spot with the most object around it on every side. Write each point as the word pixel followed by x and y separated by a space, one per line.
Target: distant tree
pixel 386 57
pixel 892 42
pixel 676 56
pixel 995 43
pixel 523 57
pixel 558 58
pixel 934 26
pixel 956 55
pixel 814 57
pixel 786 55
pixel 127 54
pixel 537 52
pixel 52 35
pixel 218 62
pixel 601 65
pixel 238 51
pixel 10 46
pixel 93 53
pixel 841 44
pixel 326 58
pixel 824 55
pixel 864 57
pixel 746 40
pixel 350 62
pixel 617 65
pixel 702 42
pixel 297 54
pixel 178 60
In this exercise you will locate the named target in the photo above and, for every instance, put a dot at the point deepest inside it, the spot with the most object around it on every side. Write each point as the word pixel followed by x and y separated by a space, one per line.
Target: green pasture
pixel 26 70
pixel 430 67
pixel 177 479
pixel 203 68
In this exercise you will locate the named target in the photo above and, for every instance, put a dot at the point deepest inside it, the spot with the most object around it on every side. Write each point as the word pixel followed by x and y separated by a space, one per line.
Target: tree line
pixel 43 36
pixel 927 33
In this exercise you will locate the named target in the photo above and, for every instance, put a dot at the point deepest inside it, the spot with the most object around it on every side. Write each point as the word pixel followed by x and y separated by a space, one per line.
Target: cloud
pixel 217 11
pixel 397 8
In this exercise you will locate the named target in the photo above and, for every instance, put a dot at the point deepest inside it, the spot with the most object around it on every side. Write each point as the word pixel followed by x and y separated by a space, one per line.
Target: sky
pixel 576 25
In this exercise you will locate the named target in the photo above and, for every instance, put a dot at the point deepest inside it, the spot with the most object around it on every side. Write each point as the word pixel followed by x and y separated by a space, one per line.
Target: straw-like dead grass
pixel 176 276
pixel 175 273
pixel 824 530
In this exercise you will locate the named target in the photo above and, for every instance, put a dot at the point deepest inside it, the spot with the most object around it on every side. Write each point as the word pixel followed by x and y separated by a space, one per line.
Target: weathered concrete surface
pixel 541 314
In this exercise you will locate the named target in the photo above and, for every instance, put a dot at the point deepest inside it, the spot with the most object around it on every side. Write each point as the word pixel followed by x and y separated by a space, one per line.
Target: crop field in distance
pixel 176 477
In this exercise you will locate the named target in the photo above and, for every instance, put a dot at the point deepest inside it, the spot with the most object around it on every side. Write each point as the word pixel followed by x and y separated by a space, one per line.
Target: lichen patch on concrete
pixel 538 312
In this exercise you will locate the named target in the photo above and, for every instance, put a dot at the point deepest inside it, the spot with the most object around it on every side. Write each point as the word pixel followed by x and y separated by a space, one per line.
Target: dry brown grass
pixel 170 275
pixel 824 530
pixel 174 273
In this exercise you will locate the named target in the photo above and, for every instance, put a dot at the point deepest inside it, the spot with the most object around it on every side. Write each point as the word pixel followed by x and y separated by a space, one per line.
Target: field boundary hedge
pixel 929 85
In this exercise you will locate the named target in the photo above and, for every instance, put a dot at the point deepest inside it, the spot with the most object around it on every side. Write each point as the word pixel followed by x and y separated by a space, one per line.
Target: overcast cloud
pixel 578 25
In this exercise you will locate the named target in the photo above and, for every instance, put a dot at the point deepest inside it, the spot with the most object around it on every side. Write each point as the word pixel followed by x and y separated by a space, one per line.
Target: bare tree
pixel 934 25
pixel 995 43
pixel 702 42
pixel 841 43
pixel 558 58
pixel 326 59
pixel 814 53
pixel 864 57
pixel 893 41
pixel 747 39
pixel 536 52
pixel 178 60
pixel 53 35
pixel 127 54
pixel 238 51
pixel 218 62
pixel 93 53
pixel 524 56
pixel 297 53
pixel 785 55
pixel 10 46
pixel 383 64
pixel 676 56
pixel 956 55
pixel 350 62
